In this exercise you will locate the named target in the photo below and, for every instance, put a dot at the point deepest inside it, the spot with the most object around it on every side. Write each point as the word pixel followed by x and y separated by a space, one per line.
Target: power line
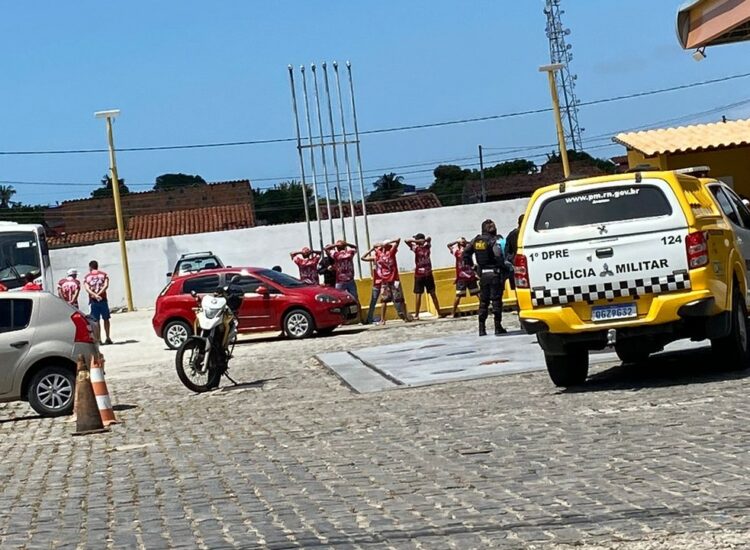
pixel 389 129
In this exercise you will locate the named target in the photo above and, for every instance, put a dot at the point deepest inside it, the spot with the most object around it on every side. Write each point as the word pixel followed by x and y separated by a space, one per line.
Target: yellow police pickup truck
pixel 634 261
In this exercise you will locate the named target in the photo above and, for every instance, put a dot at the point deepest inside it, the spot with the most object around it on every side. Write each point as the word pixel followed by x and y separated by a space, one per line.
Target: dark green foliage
pixel 23 213
pixel 6 193
pixel 106 189
pixel 282 203
pixel 175 181
pixel 387 186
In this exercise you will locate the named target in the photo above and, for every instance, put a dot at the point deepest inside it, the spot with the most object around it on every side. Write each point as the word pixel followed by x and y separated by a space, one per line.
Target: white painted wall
pixel 151 259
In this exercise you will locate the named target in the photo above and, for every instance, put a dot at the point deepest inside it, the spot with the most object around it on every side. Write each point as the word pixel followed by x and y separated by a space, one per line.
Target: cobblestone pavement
pixel 643 457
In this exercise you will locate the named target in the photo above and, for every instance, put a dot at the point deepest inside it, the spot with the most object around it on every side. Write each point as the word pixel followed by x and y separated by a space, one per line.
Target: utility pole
pixel 481 175
pixel 550 70
pixel 108 116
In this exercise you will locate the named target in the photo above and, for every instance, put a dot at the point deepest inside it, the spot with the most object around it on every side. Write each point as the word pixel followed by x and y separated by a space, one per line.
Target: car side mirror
pixel 262 290
pixel 193 293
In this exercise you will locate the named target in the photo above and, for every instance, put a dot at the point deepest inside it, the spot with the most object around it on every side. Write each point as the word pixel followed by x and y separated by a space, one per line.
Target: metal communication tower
pixel 559 52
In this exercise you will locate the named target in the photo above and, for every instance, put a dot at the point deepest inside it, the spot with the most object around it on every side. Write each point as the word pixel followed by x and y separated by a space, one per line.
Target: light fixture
pixel 700 54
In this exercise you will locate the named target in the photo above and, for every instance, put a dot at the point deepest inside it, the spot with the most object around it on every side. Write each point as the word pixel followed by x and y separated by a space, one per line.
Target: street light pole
pixel 550 70
pixel 108 116
pixel 481 175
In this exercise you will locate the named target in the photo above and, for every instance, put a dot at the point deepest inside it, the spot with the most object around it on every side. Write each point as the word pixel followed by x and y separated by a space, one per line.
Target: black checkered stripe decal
pixel 679 280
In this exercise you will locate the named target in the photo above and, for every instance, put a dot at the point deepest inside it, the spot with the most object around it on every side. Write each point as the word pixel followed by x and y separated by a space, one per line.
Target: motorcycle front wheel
pixel 197 370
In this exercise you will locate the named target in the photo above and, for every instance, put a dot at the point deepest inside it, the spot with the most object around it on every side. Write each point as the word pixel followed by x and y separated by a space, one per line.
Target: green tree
pixel 106 189
pixel 604 165
pixel 449 183
pixel 387 186
pixel 174 181
pixel 23 213
pixel 282 203
pixel 6 193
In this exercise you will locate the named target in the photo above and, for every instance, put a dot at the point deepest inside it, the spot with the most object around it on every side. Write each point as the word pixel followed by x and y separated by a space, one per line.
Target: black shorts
pixel 422 284
pixel 462 285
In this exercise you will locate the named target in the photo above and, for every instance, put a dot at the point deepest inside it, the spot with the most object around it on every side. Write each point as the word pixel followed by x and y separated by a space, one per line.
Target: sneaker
pixel 107 342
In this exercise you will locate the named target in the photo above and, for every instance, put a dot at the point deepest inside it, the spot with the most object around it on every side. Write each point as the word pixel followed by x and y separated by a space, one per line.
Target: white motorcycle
pixel 203 358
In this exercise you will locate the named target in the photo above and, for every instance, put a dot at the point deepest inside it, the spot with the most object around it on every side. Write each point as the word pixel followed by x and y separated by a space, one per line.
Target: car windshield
pixel 191 265
pixel 19 255
pixel 281 279
pixel 613 204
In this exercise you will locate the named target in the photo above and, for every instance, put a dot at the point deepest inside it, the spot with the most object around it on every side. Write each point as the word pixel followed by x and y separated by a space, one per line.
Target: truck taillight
pixel 83 329
pixel 521 271
pixel 697 250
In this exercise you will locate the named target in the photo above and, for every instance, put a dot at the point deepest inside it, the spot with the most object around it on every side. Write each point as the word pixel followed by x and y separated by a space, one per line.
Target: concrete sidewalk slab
pixel 449 359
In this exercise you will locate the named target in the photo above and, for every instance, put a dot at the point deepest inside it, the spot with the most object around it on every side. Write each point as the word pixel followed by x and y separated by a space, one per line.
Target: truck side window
pixel 740 207
pixel 725 204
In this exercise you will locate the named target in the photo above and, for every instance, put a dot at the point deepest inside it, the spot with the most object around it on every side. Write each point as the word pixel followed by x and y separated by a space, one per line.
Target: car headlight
pixel 326 299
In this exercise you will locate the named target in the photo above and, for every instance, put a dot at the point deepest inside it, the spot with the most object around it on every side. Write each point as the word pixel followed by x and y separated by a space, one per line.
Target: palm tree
pixel 6 193
pixel 387 186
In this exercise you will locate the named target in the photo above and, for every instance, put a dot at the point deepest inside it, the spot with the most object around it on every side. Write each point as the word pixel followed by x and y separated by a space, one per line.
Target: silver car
pixel 41 337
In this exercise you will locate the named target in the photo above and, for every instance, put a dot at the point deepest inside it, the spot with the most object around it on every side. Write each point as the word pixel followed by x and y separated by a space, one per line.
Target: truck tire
pixel 733 351
pixel 570 369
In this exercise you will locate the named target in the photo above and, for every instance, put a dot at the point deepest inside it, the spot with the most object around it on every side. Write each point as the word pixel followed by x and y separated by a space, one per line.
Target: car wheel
pixel 298 324
pixel 175 333
pixel 326 331
pixel 51 391
pixel 733 350
pixel 570 369
pixel 631 354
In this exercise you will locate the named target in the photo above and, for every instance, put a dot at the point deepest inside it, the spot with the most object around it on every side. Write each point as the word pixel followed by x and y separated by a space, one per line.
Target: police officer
pixel 487 248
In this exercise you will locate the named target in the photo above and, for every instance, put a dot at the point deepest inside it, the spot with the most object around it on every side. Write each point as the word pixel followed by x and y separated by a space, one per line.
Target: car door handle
pixel 604 253
pixel 19 345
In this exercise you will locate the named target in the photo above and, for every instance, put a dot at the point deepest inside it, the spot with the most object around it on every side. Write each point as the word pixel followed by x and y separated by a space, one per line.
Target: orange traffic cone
pixel 88 420
pixel 103 402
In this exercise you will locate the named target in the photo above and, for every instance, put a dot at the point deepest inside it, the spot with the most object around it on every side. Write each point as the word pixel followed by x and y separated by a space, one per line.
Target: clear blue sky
pixel 192 72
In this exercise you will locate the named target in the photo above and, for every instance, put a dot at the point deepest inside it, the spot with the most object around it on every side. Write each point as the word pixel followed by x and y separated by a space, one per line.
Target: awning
pixel 702 23
pixel 698 137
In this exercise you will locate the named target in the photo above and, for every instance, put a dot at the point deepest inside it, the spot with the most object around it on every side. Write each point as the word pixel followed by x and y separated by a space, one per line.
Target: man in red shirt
pixel 307 261
pixel 385 263
pixel 31 284
pixel 466 277
pixel 96 284
pixel 69 288
pixel 342 254
pixel 423 278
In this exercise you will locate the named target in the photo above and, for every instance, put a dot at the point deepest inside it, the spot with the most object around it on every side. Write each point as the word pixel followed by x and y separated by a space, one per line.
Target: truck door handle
pixel 19 345
pixel 604 253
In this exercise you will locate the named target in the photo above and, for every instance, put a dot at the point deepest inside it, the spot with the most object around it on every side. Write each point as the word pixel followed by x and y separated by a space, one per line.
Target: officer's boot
pixel 499 329
pixel 482 329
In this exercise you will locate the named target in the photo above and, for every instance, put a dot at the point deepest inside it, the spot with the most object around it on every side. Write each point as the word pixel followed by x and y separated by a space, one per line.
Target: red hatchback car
pixel 272 301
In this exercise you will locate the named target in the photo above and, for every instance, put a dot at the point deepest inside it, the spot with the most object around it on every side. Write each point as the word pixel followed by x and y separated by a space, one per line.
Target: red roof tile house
pixel 184 211
pixel 523 185
pixel 404 203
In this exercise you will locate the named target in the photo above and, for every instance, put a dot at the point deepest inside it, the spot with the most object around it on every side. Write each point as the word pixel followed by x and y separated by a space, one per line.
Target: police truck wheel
pixel 570 369
pixel 733 350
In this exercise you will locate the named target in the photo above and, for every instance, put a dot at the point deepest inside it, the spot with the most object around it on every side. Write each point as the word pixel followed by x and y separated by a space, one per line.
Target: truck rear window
pixel 613 204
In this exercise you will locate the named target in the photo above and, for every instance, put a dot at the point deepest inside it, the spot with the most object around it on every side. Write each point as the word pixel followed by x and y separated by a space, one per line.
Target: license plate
pixel 353 309
pixel 611 313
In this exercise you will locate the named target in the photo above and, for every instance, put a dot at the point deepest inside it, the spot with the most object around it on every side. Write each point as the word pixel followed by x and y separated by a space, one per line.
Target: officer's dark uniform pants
pixel 491 291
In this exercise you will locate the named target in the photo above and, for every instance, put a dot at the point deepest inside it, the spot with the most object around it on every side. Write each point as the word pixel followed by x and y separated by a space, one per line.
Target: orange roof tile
pixel 682 139
pixel 187 222
pixel 65 240
pixel 405 203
